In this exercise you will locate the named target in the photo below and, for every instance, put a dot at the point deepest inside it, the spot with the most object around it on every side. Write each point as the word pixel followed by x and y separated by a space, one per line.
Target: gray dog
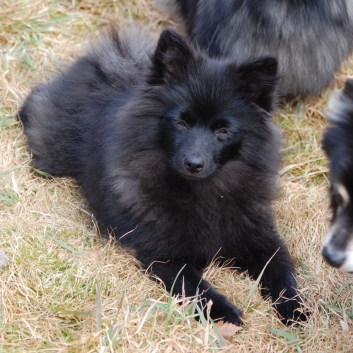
pixel 310 38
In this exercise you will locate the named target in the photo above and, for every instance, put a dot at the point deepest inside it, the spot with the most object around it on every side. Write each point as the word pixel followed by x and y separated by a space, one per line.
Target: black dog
pixel 338 145
pixel 310 38
pixel 177 157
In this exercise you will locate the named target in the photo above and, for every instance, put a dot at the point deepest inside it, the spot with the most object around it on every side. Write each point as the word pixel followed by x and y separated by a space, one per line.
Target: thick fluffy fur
pixel 176 155
pixel 310 38
pixel 338 145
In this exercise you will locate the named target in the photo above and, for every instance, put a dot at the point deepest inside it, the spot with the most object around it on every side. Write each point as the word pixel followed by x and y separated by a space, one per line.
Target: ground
pixel 64 290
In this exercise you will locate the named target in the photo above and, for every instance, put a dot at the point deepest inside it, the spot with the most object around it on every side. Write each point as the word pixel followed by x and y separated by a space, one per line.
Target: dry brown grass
pixel 65 291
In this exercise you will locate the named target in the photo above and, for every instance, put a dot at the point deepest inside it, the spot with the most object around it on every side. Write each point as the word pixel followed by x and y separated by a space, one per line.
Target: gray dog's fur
pixel 310 38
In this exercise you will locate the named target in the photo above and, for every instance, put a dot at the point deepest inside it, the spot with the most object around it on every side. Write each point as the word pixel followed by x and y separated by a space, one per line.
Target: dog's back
pixel 310 38
pixel 61 115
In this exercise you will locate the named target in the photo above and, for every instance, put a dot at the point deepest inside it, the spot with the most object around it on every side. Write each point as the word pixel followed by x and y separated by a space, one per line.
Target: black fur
pixel 310 38
pixel 338 145
pixel 176 155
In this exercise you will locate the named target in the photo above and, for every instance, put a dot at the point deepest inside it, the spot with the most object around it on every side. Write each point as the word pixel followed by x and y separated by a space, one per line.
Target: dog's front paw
pixel 291 310
pixel 222 310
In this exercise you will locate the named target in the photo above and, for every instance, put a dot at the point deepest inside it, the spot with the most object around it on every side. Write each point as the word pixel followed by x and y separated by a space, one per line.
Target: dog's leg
pixel 184 279
pixel 277 281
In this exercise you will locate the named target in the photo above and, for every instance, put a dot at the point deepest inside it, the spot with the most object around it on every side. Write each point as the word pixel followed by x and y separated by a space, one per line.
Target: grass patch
pixel 67 291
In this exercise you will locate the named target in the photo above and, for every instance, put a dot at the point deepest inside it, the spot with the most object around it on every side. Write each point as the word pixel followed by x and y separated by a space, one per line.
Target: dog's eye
pixel 182 124
pixel 222 132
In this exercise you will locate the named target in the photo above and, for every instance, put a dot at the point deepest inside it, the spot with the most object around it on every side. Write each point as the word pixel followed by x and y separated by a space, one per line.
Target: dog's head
pixel 215 110
pixel 338 145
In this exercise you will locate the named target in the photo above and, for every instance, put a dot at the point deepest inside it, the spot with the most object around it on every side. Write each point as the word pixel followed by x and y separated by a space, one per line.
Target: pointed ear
pixel 258 80
pixel 340 111
pixel 171 57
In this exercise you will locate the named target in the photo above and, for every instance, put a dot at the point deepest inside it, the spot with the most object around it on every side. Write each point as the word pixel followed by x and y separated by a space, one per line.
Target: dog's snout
pixel 334 257
pixel 194 164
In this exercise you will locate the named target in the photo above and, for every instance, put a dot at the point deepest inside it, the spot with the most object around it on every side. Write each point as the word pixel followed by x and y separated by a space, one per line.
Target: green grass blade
pixel 61 243
pixel 289 337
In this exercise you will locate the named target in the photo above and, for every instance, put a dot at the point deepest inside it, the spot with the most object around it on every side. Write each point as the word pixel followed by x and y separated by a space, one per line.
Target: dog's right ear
pixel 340 112
pixel 171 57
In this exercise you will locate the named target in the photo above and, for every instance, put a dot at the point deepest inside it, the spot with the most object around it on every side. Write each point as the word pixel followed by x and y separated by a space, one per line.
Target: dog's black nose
pixel 334 257
pixel 194 164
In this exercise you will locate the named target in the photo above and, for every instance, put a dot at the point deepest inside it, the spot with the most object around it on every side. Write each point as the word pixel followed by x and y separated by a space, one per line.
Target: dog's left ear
pixel 171 57
pixel 258 80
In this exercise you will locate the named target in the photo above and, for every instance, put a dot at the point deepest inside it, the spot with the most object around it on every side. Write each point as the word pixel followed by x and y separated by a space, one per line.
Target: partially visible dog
pixel 338 145
pixel 177 156
pixel 310 38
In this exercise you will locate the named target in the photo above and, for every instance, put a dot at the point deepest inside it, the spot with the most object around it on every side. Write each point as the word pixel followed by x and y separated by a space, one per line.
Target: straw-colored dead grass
pixel 66 291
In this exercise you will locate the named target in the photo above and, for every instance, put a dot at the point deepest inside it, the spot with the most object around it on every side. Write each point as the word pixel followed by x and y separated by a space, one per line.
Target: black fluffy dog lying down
pixel 310 38
pixel 177 156
pixel 338 145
